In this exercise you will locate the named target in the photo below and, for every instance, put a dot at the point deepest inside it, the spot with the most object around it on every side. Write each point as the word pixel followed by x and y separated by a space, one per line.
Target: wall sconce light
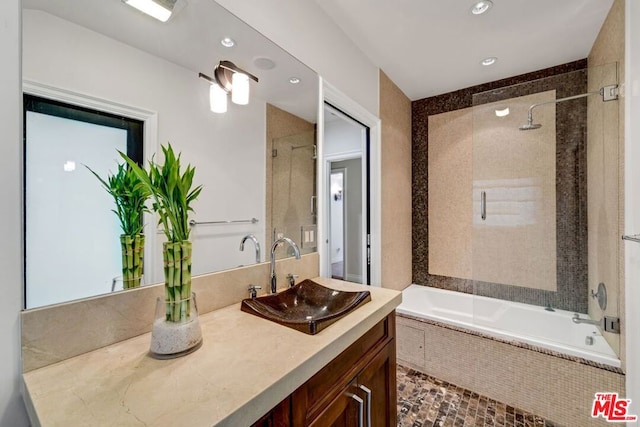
pixel 228 78
pixel 336 191
pixel 159 9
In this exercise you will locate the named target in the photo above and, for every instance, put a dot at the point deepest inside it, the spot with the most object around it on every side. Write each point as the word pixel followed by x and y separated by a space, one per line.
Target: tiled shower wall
pixel 571 191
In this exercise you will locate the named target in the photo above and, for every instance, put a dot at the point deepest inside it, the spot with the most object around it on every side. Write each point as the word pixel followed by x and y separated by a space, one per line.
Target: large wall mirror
pixel 256 162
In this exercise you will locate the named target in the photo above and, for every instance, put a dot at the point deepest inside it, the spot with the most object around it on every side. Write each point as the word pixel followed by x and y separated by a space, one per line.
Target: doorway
pixel 346 159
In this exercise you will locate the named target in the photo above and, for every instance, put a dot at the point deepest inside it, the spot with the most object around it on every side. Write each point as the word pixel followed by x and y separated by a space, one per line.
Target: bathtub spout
pixel 577 319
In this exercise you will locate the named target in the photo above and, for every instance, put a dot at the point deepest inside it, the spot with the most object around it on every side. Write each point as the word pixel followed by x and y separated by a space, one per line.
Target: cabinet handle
pixel 360 402
pixel 483 205
pixel 367 391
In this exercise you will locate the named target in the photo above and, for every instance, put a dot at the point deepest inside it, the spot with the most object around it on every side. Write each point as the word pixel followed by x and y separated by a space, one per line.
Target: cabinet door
pixel 280 416
pixel 376 384
pixel 346 410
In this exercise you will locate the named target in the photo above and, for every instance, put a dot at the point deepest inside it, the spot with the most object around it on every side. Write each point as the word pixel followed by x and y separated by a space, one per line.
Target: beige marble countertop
pixel 245 367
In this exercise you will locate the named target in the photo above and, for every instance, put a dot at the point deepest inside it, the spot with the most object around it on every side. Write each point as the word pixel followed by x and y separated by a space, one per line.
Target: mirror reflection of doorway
pixel 337 200
pixel 349 221
pixel 346 143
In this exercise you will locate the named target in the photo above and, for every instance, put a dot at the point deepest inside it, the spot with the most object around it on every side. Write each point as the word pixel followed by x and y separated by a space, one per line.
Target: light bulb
pixel 217 99
pixel 240 89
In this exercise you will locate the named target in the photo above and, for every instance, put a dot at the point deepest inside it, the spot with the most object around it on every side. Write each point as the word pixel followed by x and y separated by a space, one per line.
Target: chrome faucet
pixel 296 252
pixel 577 319
pixel 256 244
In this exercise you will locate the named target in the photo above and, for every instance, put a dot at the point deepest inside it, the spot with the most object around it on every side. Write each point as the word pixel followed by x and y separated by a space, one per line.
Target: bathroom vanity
pixel 249 371
pixel 357 385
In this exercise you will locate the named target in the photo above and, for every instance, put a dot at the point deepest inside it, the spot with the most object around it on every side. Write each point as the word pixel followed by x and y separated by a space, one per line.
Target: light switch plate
pixel 309 234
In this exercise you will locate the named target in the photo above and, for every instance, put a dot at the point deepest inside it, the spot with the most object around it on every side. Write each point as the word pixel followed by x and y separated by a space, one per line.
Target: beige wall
pixel 605 163
pixel 395 114
pixel 450 189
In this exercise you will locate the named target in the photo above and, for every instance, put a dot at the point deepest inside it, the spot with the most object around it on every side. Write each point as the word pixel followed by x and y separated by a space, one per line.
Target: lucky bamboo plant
pixel 130 198
pixel 172 194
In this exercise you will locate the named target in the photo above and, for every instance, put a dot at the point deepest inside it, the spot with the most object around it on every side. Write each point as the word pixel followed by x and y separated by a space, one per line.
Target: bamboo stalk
pixel 127 243
pixel 168 277
pixel 177 258
pixel 138 259
pixel 186 276
pixel 177 283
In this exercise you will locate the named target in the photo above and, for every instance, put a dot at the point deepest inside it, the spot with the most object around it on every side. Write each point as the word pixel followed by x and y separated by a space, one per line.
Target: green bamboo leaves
pixel 129 196
pixel 171 192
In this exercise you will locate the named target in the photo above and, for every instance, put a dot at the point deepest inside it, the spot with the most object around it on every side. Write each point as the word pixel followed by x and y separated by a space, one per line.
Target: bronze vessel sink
pixel 307 307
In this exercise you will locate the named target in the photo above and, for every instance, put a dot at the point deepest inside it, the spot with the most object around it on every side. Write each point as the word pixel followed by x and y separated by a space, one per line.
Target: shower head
pixel 608 93
pixel 530 126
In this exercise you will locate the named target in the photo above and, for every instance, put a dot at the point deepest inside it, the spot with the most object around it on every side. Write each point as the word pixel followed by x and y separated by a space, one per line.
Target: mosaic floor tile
pixel 425 401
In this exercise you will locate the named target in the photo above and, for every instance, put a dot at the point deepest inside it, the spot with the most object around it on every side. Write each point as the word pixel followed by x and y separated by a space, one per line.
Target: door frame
pixel 334 97
pixel 150 138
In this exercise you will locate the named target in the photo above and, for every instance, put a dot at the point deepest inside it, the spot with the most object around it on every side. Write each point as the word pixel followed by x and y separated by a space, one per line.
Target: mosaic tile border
pixel 518 344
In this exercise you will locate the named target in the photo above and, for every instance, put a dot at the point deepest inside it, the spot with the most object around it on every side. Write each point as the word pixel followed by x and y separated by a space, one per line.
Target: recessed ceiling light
pixel 502 112
pixel 481 7
pixel 489 61
pixel 228 42
pixel 294 80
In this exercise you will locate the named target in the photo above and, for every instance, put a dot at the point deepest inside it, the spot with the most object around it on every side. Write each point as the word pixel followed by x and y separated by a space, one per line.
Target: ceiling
pixel 191 39
pixel 430 47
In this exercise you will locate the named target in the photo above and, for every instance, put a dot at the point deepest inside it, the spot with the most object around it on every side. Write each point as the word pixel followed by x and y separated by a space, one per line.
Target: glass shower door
pixel 545 205
pixel 293 192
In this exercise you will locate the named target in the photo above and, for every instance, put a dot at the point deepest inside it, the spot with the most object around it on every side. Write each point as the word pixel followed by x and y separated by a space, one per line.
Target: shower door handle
pixel 483 205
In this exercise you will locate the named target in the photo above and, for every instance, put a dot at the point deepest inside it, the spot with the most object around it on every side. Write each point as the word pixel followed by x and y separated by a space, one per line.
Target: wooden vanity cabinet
pixel 357 388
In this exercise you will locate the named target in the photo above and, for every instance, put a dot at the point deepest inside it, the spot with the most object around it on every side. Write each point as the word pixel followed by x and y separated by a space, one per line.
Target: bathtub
pixel 509 321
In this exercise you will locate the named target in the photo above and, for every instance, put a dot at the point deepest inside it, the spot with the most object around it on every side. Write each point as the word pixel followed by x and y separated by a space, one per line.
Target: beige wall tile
pixel 395 113
pixel 516 244
pixel 450 189
pixel 472 150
